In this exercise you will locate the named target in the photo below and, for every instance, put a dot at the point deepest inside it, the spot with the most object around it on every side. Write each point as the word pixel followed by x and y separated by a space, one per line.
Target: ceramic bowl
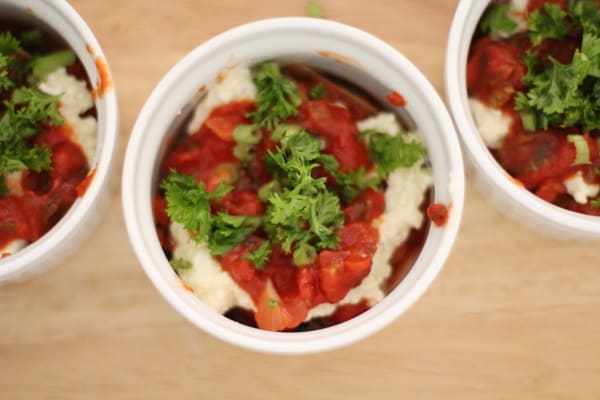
pixel 490 178
pixel 88 210
pixel 332 47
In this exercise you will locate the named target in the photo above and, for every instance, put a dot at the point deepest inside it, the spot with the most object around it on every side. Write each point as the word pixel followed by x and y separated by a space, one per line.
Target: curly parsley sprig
pixel 189 204
pixel 548 22
pixel 497 21
pixel 564 95
pixel 26 109
pixel 391 152
pixel 303 211
pixel 304 215
pixel 277 97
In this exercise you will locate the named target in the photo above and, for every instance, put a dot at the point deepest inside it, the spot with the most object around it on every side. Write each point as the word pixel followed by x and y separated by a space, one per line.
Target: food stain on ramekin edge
pixel 340 58
pixel 104 81
pixel 396 99
pixel 516 181
pixel 439 213
pixel 85 183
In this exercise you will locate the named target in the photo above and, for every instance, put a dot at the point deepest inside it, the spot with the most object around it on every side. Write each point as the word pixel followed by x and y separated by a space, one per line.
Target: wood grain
pixel 512 316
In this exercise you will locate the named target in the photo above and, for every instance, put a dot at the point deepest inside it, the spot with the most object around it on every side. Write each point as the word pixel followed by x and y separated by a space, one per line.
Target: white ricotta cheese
pixel 518 13
pixel 75 100
pixel 233 84
pixel 383 122
pixel 519 6
pixel 492 123
pixel 579 189
pixel 405 193
pixel 12 180
pixel 210 282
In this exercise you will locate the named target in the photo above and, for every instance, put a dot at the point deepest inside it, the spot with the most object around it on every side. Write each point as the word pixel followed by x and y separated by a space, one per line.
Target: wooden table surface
pixel 512 316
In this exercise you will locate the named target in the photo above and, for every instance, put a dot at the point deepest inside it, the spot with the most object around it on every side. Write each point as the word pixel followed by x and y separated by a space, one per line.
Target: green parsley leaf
pixel 5 81
pixel 3 188
pixel 8 43
pixel 188 203
pixel 533 66
pixel 548 22
pixel 21 157
pixel 180 263
pixel 590 46
pixel 355 182
pixel 304 213
pixel 391 152
pixel 296 156
pixel 260 256
pixel 277 98
pixel 497 21
pixel 585 14
pixel 314 9
pixel 351 183
pixel 25 111
pixel 317 92
pixel 565 94
pixel 35 106
pixel 15 61
pixel 227 231
pixel 595 202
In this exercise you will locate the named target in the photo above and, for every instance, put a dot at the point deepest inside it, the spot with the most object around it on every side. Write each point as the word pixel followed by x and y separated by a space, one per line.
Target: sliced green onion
pixel 180 263
pixel 245 137
pixel 42 66
pixel 317 92
pixel 283 130
pixel 304 255
pixel 314 9
pixel 247 134
pixel 582 155
pixel 241 151
pixel 528 120
pixel 266 190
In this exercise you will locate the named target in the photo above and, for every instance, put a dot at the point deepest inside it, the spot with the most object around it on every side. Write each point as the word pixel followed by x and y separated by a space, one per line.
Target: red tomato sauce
pixel 282 291
pixel 438 214
pixel 396 99
pixel 540 160
pixel 46 196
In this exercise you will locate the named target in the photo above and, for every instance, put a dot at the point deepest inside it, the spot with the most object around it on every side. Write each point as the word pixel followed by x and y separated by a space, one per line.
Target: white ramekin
pixel 346 52
pixel 87 211
pixel 490 178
